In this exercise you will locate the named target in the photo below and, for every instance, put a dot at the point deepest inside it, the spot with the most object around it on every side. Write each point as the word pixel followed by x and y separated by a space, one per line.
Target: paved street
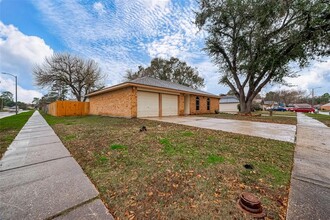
pixel 279 132
pixel 310 180
pixel 6 114
pixel 40 180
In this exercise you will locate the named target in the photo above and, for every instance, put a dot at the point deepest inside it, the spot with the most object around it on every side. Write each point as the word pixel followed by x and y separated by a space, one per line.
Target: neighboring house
pixel 268 105
pixel 228 104
pixel 150 97
pixel 258 99
pixel 326 107
pixel 302 105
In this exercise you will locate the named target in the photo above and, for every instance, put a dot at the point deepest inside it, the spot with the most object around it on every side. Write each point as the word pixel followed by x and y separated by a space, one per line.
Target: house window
pixel 208 104
pixel 197 103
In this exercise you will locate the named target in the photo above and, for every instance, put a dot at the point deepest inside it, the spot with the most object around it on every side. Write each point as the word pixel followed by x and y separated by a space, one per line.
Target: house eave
pixel 128 84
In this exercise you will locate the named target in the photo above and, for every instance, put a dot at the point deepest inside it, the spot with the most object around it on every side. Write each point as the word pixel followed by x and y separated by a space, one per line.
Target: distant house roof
pixel 228 99
pixel 328 104
pixel 155 83
pixel 270 103
pixel 305 105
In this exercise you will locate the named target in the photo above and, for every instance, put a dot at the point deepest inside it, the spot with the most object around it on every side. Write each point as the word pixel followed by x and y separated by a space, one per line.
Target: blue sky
pixel 118 34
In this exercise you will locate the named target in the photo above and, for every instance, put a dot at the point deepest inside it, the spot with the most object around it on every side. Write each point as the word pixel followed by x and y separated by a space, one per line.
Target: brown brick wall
pixel 118 103
pixel 134 102
pixel 214 105
pixel 181 104
pixel 123 103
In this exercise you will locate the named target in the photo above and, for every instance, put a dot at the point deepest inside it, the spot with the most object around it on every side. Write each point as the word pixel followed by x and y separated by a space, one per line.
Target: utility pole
pixel 313 95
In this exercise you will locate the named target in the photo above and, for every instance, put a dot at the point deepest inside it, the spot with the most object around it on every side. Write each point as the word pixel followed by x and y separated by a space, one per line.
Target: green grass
pixel 213 159
pixel 70 137
pixel 9 128
pixel 117 146
pixel 187 134
pixel 174 171
pixel 277 113
pixel 325 119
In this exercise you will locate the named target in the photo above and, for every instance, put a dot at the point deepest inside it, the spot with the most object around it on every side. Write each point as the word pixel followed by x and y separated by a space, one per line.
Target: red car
pixel 302 108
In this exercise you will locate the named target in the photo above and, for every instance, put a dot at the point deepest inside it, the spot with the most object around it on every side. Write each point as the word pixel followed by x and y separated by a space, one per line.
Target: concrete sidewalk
pixel 309 196
pixel 40 180
pixel 273 131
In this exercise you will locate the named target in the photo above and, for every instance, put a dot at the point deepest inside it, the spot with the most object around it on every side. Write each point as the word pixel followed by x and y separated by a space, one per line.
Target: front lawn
pixel 174 171
pixel 9 128
pixel 262 116
pixel 325 119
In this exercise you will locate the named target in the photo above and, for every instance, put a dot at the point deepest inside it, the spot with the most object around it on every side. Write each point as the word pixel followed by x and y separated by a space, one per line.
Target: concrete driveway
pixel 273 131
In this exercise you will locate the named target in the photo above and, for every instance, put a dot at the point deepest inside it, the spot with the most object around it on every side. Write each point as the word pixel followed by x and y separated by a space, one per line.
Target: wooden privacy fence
pixel 68 108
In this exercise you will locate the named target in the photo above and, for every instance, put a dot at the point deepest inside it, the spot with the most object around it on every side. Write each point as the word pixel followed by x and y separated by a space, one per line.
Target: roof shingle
pixel 149 81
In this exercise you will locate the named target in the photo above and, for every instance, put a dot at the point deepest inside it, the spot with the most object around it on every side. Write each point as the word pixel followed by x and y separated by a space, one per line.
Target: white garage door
pixel 147 104
pixel 169 105
pixel 228 107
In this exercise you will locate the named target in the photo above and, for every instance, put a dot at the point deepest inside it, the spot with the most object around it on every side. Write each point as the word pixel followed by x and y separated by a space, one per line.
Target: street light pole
pixel 15 89
pixel 313 95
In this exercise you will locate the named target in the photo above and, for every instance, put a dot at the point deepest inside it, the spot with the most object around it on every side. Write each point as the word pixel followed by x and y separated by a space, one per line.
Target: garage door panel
pixel 147 104
pixel 169 105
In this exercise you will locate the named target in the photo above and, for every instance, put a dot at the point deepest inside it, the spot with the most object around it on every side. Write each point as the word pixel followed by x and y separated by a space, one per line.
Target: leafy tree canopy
pixel 7 99
pixel 253 42
pixel 172 70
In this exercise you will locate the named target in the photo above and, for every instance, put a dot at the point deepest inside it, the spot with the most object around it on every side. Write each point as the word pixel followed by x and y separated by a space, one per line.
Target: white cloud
pixel 131 33
pixel 120 35
pixel 317 75
pixel 99 8
pixel 19 53
pixel 155 3
pixel 23 95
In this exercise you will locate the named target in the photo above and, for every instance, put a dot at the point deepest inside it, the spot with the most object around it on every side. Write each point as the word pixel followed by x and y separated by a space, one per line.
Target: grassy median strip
pixel 174 171
pixel 278 117
pixel 325 119
pixel 9 128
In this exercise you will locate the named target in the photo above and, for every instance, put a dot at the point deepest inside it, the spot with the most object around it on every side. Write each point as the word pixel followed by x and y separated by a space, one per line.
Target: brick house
pixel 150 97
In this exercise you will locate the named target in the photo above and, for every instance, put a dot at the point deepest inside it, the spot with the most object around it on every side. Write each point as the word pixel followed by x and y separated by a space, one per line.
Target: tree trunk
pixel 246 106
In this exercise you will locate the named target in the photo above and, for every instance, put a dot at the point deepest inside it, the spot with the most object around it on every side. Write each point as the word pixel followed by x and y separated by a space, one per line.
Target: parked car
pixel 308 110
pixel 302 108
pixel 278 108
pixel 12 109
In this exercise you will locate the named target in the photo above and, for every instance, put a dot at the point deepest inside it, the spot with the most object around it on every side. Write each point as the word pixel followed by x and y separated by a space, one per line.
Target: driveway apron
pixel 39 179
pixel 309 196
pixel 273 131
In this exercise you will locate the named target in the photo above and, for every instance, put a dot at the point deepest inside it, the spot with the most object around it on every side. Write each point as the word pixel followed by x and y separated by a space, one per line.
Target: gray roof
pixel 304 105
pixel 229 99
pixel 270 103
pixel 149 81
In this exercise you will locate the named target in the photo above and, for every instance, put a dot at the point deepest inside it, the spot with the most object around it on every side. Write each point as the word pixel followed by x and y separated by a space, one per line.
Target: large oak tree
pixel 254 41
pixel 66 70
pixel 172 70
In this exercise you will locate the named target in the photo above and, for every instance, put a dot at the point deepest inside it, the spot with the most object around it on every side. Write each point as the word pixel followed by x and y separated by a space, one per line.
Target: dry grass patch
pixel 176 172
